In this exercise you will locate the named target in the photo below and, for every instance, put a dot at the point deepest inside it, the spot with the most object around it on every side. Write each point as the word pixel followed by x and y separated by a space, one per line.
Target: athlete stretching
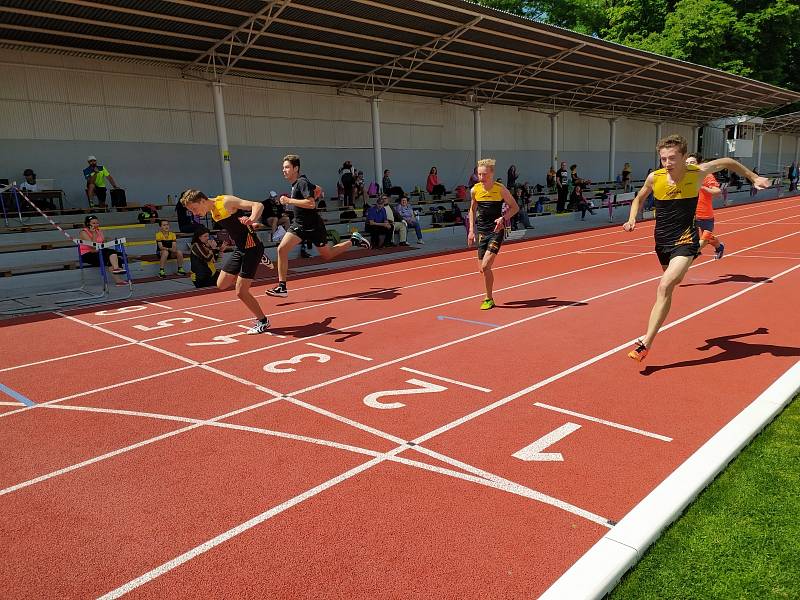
pixel 308 224
pixel 675 187
pixel 486 216
pixel 704 217
pixel 241 265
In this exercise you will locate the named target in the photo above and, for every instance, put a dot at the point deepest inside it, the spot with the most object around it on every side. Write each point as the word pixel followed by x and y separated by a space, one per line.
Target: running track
pixel 387 439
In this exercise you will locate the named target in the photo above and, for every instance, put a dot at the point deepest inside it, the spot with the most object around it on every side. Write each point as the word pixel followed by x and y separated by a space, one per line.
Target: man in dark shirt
pixel 308 224
pixel 562 186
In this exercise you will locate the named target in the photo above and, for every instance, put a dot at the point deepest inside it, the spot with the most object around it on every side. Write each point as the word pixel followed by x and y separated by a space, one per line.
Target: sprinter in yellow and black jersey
pixel 241 265
pixel 487 222
pixel 675 187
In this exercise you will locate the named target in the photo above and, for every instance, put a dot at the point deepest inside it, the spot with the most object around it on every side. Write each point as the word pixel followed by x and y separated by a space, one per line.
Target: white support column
pixel 554 140
pixel 476 127
pixel 758 157
pixel 780 155
pixel 694 143
pixel 659 135
pixel 612 148
pixel 797 149
pixel 376 141
pixel 222 139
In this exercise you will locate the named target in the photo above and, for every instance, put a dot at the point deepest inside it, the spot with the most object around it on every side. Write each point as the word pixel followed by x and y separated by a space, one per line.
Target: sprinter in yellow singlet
pixel 487 219
pixel 676 187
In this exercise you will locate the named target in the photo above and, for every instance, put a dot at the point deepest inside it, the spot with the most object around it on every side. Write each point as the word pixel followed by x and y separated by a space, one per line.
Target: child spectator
pixel 203 255
pixel 167 245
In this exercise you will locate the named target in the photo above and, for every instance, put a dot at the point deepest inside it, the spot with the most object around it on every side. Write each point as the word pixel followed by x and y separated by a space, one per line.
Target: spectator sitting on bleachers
pixel 399 226
pixel 406 212
pixel 524 204
pixel 29 185
pixel 578 200
pixel 388 188
pixel 167 246
pixel 551 180
pixel 203 254
pixel 92 233
pixel 96 176
pixel 359 191
pixel 274 215
pixel 378 225
pixel 433 186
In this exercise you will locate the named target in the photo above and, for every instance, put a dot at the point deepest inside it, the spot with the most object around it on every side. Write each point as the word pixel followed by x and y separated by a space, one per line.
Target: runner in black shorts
pixel 486 217
pixel 240 266
pixel 675 188
pixel 308 224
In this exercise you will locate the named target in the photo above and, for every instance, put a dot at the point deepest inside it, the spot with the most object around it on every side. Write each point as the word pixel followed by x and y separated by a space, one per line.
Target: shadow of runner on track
pixel 731 350
pixel 549 302
pixel 377 294
pixel 731 278
pixel 311 329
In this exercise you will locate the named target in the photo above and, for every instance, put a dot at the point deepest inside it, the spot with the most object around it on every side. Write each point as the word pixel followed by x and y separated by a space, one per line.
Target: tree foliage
pixel 754 38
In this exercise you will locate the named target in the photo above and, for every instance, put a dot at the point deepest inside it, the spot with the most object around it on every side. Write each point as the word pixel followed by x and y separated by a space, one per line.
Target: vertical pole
pixel 554 140
pixel 694 143
pixel 376 141
pixel 758 159
pixel 780 155
pixel 612 148
pixel 222 139
pixel 476 128
pixel 797 149
pixel 659 135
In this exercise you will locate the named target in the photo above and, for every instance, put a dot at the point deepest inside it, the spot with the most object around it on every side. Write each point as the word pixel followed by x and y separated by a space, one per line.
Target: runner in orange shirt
pixel 704 217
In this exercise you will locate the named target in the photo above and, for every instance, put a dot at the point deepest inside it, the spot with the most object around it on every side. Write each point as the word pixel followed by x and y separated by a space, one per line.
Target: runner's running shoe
pixel 639 353
pixel 719 251
pixel 279 291
pixel 261 326
pixel 359 240
pixel 487 304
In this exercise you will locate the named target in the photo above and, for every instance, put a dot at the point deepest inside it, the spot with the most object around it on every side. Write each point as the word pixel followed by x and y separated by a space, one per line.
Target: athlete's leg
pixel 488 275
pixel 243 293
pixel 289 241
pixel 673 275
pixel 226 280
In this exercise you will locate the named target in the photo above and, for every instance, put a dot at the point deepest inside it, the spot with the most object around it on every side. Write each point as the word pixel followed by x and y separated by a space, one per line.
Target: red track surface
pixel 186 461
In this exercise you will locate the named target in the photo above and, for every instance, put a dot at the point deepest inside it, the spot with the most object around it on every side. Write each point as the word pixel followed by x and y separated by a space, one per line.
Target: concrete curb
pixel 598 571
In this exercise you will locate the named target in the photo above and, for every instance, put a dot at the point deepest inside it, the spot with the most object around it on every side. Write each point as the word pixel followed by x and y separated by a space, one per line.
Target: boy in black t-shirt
pixel 308 224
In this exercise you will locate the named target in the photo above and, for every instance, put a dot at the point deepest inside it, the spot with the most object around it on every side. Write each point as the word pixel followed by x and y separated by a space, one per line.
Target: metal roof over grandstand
pixel 453 50
pixel 788 123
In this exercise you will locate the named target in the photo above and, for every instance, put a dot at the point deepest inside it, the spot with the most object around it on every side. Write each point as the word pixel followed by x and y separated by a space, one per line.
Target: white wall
pixel 156 133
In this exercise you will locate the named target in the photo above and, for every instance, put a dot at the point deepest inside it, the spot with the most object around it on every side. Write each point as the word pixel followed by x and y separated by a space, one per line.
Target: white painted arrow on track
pixel 534 451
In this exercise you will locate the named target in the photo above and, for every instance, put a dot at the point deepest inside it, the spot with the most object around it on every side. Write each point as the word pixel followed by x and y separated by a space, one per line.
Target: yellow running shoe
pixel 487 304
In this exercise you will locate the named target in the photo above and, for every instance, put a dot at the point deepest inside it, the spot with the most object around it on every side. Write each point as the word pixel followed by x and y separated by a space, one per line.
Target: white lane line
pixel 519 321
pixel 239 529
pixel 57 358
pixel 768 257
pixel 12 404
pixel 337 351
pixel 194 314
pixel 156 304
pixel 96 390
pixel 578 415
pixel 591 361
pixel 129 448
pixel 453 381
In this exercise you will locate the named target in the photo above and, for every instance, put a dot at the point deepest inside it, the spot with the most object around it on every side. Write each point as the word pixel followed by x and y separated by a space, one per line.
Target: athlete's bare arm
pixel 232 204
pixel 473 205
pixel 513 207
pixel 712 166
pixel 647 189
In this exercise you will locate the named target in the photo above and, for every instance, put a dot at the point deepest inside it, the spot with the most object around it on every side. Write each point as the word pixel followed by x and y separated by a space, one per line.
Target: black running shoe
pixel 279 291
